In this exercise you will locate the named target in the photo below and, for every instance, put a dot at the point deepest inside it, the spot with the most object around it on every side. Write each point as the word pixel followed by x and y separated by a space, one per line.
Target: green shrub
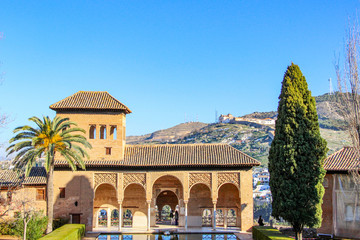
pixel 59 222
pixel 67 232
pixel 267 233
pixel 7 227
pixel 35 228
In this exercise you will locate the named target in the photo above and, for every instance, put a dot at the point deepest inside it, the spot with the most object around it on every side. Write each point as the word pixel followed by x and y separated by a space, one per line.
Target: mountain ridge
pixel 252 139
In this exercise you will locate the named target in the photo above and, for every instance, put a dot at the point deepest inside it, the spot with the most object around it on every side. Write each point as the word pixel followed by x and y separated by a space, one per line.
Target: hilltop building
pixel 229 118
pixel 128 185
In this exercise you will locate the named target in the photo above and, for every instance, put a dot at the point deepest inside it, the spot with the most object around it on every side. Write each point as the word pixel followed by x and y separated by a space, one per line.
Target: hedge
pixel 66 232
pixel 267 233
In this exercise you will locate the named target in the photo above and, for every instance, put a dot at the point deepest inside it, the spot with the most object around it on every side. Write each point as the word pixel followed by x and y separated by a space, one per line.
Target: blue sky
pixel 165 59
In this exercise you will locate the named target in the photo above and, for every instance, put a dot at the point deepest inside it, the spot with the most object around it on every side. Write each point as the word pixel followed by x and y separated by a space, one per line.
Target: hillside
pixel 167 135
pixel 252 139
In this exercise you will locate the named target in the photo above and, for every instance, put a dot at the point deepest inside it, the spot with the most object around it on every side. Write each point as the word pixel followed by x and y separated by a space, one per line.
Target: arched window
pixel 114 217
pixel 102 218
pixel 127 218
pixel 206 217
pixel 349 215
pixel 219 217
pixel 113 133
pixel 92 132
pixel 231 218
pixel 103 132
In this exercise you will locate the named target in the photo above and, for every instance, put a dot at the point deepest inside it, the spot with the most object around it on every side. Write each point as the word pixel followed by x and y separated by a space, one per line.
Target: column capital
pixel 214 201
pixel 148 201
pixel 120 202
pixel 186 201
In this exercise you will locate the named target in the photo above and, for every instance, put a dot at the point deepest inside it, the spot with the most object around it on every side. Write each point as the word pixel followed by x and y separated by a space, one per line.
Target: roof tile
pixel 176 155
pixel 92 101
pixel 37 176
pixel 343 160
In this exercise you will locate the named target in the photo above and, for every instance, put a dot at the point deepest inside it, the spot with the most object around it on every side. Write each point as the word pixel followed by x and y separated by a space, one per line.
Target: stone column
pixel 225 218
pixel 108 217
pixel 148 215
pixel 97 219
pixel 186 214
pixel 120 216
pixel 214 216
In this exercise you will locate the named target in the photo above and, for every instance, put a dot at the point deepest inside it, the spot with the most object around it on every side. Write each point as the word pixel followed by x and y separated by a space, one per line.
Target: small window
pixel 92 132
pixel 103 132
pixel 326 183
pixel 113 133
pixel 9 196
pixel 62 192
pixel 108 151
pixel 40 194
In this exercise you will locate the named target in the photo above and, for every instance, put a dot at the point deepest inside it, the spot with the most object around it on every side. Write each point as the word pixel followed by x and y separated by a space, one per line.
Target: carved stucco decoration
pixel 134 178
pixel 100 178
pixel 229 178
pixel 200 178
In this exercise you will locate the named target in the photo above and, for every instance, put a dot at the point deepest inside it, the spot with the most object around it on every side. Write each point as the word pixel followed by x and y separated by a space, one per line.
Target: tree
pixel 349 92
pixel 49 138
pixel 296 156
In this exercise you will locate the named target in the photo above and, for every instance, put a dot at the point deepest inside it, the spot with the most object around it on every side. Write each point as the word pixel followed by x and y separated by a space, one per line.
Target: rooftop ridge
pixel 96 100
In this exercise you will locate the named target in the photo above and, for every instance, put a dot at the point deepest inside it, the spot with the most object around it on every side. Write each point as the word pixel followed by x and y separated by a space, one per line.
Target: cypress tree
pixel 296 156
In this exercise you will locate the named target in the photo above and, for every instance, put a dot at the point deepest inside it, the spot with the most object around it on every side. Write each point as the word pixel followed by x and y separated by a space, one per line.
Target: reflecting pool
pixel 167 237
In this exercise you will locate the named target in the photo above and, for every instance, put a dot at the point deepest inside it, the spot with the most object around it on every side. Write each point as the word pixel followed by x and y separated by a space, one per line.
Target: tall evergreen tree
pixel 296 156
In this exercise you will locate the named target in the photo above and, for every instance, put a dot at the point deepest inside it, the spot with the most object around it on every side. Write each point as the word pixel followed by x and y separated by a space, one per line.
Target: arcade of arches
pixel 144 199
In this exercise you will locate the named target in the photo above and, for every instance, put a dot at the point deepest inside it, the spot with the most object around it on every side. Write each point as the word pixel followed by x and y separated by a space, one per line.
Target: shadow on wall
pixel 74 201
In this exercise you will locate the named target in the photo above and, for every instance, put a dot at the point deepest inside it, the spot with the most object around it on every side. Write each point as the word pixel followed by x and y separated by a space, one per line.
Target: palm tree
pixel 49 138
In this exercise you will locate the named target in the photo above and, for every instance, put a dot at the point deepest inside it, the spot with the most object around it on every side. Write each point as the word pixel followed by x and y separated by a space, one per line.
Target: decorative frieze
pixel 233 178
pixel 200 178
pixel 130 178
pixel 100 178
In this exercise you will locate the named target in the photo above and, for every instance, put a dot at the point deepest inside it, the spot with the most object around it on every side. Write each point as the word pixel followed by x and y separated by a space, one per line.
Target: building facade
pixel 341 206
pixel 131 185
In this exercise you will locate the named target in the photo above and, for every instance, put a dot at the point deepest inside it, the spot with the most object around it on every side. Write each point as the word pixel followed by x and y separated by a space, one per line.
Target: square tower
pixel 102 117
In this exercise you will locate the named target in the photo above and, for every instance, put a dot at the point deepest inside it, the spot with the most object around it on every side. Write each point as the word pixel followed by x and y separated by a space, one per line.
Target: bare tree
pixel 26 208
pixel 349 91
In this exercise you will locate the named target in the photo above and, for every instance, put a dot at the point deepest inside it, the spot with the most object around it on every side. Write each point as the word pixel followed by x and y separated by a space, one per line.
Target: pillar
pixel 225 218
pixel 108 217
pixel 214 218
pixel 186 214
pixel 96 219
pixel 148 215
pixel 120 216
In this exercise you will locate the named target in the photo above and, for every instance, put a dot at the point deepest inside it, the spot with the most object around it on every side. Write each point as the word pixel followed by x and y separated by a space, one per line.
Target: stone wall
pixel 327 206
pixel 99 119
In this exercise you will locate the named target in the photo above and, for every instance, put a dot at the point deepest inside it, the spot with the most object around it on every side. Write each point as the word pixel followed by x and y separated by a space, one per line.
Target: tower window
pixel 92 132
pixel 108 150
pixel 113 133
pixel 103 132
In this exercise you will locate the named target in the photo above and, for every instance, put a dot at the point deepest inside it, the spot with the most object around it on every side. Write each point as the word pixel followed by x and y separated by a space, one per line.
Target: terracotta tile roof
pixel 91 101
pixel 342 160
pixel 9 178
pixel 37 176
pixel 176 155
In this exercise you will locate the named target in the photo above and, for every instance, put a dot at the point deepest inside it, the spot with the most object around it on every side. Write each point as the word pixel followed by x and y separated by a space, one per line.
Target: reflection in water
pixel 168 237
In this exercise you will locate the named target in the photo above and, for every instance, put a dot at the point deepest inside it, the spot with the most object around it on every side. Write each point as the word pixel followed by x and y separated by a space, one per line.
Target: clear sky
pixel 165 60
